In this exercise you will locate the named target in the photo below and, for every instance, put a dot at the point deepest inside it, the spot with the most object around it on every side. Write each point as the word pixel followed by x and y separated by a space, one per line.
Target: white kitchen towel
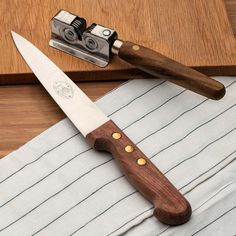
pixel 57 185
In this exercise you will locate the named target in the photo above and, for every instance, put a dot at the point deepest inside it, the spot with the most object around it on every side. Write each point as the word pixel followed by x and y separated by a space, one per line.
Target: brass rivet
pixel 129 148
pixel 136 47
pixel 141 162
pixel 116 135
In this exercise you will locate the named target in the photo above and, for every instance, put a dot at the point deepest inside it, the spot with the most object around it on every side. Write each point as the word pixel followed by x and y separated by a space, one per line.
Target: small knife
pixel 102 133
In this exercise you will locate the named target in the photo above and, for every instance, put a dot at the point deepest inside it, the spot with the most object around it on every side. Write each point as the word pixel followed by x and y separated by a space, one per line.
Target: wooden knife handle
pixel 170 205
pixel 159 65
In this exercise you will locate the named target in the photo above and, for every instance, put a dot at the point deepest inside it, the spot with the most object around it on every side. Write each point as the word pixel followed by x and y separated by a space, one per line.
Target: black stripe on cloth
pixel 103 212
pixel 208 145
pixel 120 227
pixel 85 200
pixel 196 128
pixel 211 169
pixel 40 180
pixel 139 96
pixel 176 118
pixel 57 193
pixel 225 213
pixel 167 102
pixel 38 158
pixel 161 105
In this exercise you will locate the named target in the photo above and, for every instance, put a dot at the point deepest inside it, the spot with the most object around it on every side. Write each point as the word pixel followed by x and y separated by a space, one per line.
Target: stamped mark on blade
pixel 63 89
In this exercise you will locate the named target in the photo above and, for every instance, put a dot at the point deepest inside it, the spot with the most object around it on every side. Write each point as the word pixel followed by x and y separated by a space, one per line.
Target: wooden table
pixel 35 112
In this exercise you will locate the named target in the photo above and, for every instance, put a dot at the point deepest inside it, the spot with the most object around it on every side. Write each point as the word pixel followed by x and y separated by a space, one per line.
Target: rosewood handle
pixel 159 65
pixel 170 205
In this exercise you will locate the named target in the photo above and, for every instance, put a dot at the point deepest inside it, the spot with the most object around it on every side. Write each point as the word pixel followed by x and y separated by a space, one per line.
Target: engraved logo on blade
pixel 63 89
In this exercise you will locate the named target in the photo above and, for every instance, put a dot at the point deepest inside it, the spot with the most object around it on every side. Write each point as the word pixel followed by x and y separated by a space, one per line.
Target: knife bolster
pixel 170 205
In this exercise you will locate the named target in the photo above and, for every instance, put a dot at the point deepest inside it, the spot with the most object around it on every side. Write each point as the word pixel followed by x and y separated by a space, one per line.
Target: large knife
pixel 102 133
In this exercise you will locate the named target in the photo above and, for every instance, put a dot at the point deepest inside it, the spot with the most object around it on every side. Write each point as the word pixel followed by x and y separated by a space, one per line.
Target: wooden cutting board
pixel 194 32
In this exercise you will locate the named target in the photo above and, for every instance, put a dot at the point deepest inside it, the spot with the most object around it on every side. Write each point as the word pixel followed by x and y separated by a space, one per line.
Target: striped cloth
pixel 57 185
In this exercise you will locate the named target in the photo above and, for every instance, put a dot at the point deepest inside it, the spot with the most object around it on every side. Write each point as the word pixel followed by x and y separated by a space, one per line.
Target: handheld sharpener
pixel 97 43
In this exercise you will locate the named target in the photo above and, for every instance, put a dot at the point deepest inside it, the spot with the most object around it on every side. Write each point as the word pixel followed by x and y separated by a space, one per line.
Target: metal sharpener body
pixel 93 44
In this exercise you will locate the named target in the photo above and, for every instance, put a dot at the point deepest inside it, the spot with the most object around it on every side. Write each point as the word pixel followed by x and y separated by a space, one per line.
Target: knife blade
pixel 171 207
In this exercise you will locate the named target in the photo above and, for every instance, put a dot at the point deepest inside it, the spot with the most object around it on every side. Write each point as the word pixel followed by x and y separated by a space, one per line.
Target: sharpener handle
pixel 170 205
pixel 161 66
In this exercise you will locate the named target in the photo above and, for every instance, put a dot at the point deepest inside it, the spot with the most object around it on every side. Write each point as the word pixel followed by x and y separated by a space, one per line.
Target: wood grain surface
pixel 27 110
pixel 231 11
pixel 196 33
pixel 170 205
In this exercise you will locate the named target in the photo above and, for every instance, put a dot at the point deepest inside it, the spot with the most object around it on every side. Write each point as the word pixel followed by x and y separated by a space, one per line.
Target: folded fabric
pixel 57 185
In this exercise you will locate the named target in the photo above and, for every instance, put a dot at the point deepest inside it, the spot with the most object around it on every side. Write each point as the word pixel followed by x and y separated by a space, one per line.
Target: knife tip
pixel 13 33
pixel 15 37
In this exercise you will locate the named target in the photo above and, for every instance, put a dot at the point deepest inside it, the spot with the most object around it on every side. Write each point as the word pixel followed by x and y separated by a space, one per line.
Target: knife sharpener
pixel 97 44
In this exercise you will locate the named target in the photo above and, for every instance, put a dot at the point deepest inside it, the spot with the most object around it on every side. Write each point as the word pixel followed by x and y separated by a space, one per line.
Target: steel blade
pixel 85 115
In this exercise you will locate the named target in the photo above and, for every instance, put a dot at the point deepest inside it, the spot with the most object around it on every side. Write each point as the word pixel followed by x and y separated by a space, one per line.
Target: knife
pixel 104 135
